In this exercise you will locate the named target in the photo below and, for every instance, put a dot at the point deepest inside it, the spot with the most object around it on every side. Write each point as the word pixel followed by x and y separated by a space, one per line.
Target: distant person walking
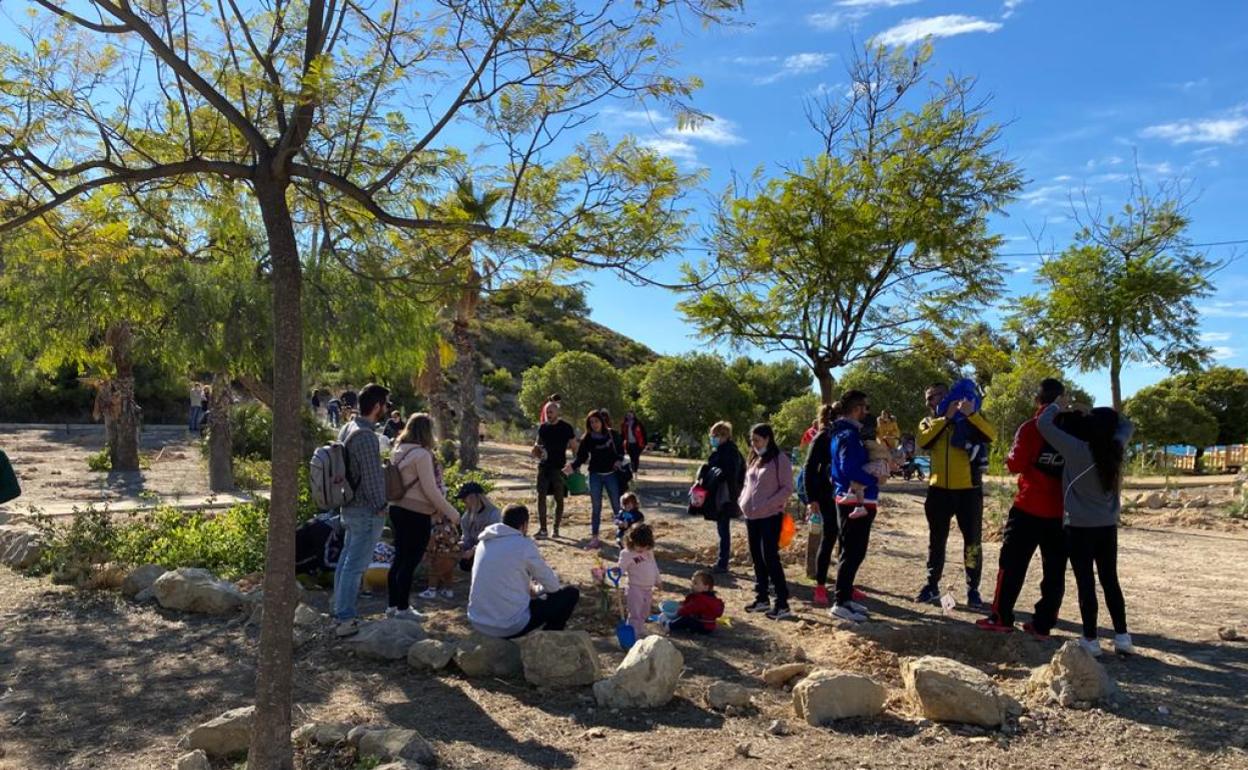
pixel 634 434
pixel 723 480
pixel 554 437
pixel 603 449
pixel 333 412
pixel 1093 449
pixel 197 406
pixel 768 485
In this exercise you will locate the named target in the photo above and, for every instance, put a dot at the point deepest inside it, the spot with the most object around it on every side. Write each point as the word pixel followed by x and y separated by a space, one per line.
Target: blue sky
pixel 1088 89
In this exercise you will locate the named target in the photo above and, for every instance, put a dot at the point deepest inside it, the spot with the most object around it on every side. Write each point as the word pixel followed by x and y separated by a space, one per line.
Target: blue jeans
pixel 597 483
pixel 363 530
pixel 724 526
pixel 197 416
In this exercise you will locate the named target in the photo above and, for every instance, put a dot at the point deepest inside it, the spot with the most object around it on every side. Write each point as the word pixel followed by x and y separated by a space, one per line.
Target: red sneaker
pixel 991 623
pixel 1029 628
pixel 821 597
pixel 858 595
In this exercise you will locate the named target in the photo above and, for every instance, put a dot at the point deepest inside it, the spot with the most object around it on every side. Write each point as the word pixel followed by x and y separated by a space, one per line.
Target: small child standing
pixel 701 609
pixel 443 554
pixel 629 516
pixel 637 563
pixel 880 465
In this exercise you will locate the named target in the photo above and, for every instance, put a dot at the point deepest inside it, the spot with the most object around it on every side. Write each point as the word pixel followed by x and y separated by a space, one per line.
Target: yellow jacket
pixel 951 467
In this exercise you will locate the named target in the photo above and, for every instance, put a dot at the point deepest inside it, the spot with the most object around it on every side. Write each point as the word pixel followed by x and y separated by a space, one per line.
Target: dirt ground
pixel 89 680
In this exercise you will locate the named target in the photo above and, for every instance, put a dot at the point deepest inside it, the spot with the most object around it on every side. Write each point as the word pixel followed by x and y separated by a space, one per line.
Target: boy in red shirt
pixel 701 610
pixel 1035 520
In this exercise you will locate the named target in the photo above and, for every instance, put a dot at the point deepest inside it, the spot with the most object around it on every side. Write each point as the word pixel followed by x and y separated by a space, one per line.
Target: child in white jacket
pixel 637 563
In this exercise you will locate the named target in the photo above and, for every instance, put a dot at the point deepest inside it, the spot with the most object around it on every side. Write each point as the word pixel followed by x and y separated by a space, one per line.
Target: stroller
pixel 911 466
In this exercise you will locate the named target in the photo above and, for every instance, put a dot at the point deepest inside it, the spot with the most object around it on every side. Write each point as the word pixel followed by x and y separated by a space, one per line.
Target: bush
pixel 584 380
pixel 793 418
pixel 251 430
pixel 499 381
pixel 454 478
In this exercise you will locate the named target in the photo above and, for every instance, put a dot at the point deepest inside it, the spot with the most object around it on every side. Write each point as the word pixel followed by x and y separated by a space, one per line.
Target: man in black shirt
pixel 554 438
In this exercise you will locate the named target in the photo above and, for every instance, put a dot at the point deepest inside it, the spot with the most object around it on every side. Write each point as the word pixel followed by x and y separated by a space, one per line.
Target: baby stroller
pixel 911 467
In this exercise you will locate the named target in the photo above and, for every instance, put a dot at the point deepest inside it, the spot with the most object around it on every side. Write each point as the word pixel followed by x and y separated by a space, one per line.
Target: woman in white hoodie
pixel 412 517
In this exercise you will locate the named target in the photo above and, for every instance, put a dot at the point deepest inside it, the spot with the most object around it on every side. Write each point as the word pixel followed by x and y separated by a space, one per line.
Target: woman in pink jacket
pixel 768 486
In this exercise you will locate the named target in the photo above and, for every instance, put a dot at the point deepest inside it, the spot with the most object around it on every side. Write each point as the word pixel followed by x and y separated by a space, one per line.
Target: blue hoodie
pixel 849 455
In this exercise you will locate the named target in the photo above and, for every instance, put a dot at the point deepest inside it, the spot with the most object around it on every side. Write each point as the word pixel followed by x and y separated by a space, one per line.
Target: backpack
pixel 318 544
pixel 395 488
pixel 330 477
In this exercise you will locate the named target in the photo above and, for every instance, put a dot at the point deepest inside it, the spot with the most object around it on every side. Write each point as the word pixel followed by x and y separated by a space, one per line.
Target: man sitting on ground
pixel 513 590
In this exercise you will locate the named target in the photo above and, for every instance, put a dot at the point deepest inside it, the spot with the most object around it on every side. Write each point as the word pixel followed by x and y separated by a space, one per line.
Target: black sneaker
pixel 975 601
pixel 758 605
pixel 780 613
pixel 929 595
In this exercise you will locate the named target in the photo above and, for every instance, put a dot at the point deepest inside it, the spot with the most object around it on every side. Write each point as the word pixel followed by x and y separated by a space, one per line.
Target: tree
pixel 1010 398
pixel 582 380
pixel 844 256
pixel 1223 392
pixel 685 395
pixel 896 382
pixel 770 384
pixel 1125 291
pixel 793 418
pixel 319 105
pixel 1164 417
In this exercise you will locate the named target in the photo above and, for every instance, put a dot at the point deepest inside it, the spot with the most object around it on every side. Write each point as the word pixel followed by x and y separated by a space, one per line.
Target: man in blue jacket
pixel 849 456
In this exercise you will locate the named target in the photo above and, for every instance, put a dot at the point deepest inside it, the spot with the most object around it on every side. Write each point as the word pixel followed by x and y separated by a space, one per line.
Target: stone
pixel 401 764
pixel 191 589
pixel 308 616
pixel 646 679
pixel 778 727
pixel 949 691
pixel 105 577
pixel 300 636
pixel 1230 634
pixel 779 676
pixel 225 736
pixel 396 744
pixel 1073 678
pixel 559 659
pixel 321 733
pixel 481 655
pixel 146 595
pixel 825 696
pixel 21 546
pixel 1199 501
pixel 721 695
pixel 140 578
pixel 1155 500
pixel 195 760
pixel 387 639
pixel 430 655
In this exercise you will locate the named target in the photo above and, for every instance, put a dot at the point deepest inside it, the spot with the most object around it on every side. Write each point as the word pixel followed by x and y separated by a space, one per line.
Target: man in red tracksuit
pixel 1035 520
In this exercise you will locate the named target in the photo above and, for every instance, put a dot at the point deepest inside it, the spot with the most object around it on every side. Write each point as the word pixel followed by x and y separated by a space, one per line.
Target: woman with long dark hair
pixel 603 449
pixel 817 483
pixel 1093 448
pixel 768 485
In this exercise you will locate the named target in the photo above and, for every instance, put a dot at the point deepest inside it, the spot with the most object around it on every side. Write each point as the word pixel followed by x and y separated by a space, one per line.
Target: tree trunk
pixel 466 370
pixel 433 383
pixel 114 401
pixel 270 736
pixel 823 372
pixel 220 452
pixel 1115 368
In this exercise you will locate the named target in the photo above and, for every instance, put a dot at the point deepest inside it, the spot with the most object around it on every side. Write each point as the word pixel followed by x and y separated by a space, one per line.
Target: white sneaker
pixel 845 612
pixel 1123 645
pixel 408 614
pixel 1092 646
pixel 858 608
pixel 447 593
pixel 428 593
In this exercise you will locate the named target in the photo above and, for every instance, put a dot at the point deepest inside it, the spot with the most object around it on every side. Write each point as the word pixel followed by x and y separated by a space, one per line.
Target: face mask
pixel 714 442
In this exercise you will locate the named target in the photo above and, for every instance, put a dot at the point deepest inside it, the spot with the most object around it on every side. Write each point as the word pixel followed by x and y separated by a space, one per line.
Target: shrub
pixel 251 430
pixel 100 461
pixel 454 478
pixel 499 381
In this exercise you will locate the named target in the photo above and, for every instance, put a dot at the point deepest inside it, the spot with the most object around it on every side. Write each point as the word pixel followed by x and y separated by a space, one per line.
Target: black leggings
pixel 411 538
pixel 831 529
pixel 1096 545
pixel 764 537
pixel 855 536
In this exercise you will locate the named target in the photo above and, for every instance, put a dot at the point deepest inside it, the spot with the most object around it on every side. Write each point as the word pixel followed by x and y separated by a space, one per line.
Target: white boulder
pixel 191 589
pixel 825 696
pixel 646 679
pixel 949 691
pixel 559 659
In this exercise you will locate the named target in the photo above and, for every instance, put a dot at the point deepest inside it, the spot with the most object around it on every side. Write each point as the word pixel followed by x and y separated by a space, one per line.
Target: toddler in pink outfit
pixel 637 563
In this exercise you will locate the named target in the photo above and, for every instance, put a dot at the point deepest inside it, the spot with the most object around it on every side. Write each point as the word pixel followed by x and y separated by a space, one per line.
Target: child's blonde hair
pixel 629 497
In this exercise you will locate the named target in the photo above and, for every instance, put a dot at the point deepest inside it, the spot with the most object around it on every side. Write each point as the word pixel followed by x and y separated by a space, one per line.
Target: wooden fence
pixel 1221 458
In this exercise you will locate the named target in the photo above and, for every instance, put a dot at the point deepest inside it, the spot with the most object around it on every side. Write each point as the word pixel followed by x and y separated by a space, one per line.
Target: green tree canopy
pixel 1163 416
pixel 685 395
pixel 793 418
pixel 846 254
pixel 1009 400
pixel 582 380
pixel 770 383
pixel 1223 392
pixel 1126 290
pixel 896 382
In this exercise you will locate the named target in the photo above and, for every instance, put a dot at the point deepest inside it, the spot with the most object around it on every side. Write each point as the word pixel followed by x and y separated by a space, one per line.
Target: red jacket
pixel 1039 469
pixel 704 606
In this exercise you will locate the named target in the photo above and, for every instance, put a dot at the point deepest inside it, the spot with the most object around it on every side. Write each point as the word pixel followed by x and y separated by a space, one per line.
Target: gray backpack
pixel 329 476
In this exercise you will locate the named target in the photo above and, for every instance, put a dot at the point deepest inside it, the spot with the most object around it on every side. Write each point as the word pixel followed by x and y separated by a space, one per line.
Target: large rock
pixel 321 733
pixel 1199 501
pixel 646 679
pixel 481 655
pixel 559 659
pixel 825 696
pixel 307 616
pixel 387 639
pixel 949 691
pixel 1154 500
pixel 141 578
pixel 779 676
pixel 195 760
pixel 396 744
pixel 722 695
pixel 21 546
pixel 225 736
pixel 190 589
pixel 1074 678
pixel 430 655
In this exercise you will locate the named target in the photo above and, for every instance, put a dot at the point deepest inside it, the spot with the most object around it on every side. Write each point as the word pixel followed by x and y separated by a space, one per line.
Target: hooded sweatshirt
pixel 640 568
pixel 1039 469
pixel 1086 502
pixel 504 565
pixel 849 458
pixel 473 524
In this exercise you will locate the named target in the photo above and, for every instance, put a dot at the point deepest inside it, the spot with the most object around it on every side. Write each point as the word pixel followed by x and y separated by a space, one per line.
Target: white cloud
pixel 798 64
pixel 1063 178
pixel 1215 336
pixel 675 149
pixel 1010 6
pixel 1224 309
pixel 1222 352
pixel 681 142
pixel 874 3
pixel 830 20
pixel 753 61
pixel 914 30
pixel 1224 129
pixel 718 131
